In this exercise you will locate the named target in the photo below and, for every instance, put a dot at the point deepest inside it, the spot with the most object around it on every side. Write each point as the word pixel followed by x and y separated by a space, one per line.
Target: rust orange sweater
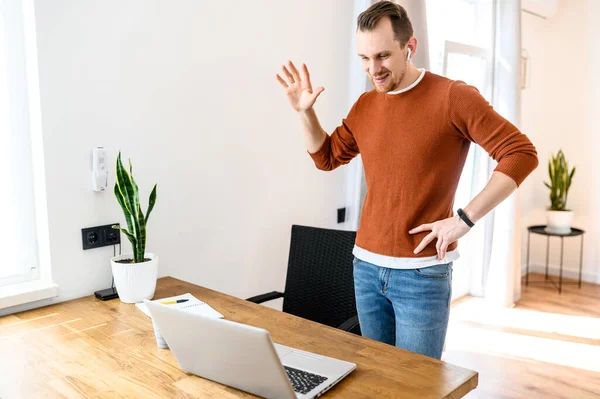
pixel 414 146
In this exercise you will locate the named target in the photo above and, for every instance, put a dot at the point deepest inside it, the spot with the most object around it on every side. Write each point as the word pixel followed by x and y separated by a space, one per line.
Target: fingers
pixel 306 77
pixel 281 81
pixel 424 242
pixel 296 75
pixel 316 93
pixel 423 227
pixel 293 76
pixel 288 75
pixel 443 248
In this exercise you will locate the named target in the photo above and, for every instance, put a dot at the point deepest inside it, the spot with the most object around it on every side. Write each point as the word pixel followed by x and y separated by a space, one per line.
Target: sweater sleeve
pixel 475 119
pixel 339 148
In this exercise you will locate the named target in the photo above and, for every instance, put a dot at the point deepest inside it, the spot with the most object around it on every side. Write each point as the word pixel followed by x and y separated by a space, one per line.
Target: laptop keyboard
pixel 303 381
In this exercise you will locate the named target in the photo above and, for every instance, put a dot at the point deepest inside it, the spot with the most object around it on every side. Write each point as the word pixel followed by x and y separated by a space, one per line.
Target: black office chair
pixel 319 285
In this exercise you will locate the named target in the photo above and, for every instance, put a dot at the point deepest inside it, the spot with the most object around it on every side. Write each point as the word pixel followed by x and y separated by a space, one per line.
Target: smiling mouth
pixel 381 79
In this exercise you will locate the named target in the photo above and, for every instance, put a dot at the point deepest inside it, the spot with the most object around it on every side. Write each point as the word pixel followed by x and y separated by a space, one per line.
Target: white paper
pixel 193 305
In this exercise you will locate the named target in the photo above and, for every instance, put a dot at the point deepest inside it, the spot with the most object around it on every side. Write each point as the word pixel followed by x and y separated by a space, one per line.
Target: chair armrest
pixel 349 324
pixel 265 297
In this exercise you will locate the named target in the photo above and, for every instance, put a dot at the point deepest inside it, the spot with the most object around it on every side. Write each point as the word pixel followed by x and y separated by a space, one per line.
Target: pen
pixel 174 302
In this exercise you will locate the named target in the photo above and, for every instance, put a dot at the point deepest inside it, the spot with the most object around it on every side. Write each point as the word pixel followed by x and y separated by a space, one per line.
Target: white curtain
pixel 359 83
pixel 18 238
pixel 502 268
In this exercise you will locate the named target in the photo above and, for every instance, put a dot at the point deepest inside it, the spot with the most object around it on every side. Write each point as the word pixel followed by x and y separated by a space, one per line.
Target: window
pixel 23 217
pixel 461 38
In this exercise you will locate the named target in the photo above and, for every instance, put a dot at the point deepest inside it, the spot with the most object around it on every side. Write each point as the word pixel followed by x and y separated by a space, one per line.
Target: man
pixel 413 132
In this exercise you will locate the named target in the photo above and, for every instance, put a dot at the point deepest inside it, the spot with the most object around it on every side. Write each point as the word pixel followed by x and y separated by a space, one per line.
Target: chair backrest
pixel 320 284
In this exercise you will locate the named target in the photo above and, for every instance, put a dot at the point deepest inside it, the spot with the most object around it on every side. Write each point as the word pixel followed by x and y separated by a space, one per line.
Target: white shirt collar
pixel 416 82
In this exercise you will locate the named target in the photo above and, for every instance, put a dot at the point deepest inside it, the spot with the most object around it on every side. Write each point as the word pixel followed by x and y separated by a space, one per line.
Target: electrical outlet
pixel 100 236
pixel 112 236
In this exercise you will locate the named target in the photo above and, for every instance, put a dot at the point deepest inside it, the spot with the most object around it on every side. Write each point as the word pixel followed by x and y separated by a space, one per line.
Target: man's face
pixel 383 59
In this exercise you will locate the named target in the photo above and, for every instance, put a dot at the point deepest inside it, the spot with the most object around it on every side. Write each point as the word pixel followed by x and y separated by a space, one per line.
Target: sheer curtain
pixel 461 36
pixel 502 280
pixel 22 203
pixel 478 41
pixel 359 83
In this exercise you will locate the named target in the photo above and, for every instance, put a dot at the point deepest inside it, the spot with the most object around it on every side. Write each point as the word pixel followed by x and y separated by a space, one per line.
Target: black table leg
pixel 550 278
pixel 527 273
pixel 547 254
pixel 580 260
pixel 561 264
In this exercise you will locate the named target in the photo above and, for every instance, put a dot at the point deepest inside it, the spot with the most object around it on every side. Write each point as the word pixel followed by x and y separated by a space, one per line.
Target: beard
pixel 390 84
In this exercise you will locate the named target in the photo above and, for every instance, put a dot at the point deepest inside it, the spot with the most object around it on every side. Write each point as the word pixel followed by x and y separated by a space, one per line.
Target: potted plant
pixel 135 273
pixel 559 217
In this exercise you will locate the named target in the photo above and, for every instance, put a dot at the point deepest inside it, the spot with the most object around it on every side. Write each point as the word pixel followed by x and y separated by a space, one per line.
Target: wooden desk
pixel 88 348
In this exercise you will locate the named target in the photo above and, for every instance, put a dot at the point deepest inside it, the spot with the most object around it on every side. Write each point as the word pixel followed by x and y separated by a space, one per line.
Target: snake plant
pixel 128 196
pixel 560 181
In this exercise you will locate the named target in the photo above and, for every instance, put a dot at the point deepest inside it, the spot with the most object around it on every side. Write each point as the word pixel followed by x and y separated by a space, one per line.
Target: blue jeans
pixel 408 308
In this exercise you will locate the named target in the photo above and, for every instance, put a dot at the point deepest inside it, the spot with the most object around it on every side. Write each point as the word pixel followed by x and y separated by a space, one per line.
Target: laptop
pixel 244 357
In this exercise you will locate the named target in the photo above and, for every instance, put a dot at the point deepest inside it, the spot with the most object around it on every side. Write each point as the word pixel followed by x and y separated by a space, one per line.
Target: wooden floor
pixel 547 346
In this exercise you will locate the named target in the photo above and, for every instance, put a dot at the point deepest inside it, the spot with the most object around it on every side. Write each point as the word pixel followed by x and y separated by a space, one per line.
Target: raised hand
pixel 298 88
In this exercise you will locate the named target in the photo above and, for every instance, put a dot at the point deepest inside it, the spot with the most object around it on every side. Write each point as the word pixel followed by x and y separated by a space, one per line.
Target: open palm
pixel 298 88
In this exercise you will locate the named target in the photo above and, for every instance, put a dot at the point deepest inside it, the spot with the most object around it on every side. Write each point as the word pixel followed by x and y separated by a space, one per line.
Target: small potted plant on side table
pixel 558 216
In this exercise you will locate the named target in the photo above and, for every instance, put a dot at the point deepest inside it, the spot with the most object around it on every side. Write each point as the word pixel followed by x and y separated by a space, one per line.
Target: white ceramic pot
pixel 559 221
pixel 135 281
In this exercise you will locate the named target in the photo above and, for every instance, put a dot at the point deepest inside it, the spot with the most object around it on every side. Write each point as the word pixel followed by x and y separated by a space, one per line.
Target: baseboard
pixel 554 270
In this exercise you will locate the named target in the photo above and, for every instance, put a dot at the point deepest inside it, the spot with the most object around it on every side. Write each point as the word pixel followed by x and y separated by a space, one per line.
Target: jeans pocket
pixel 354 261
pixel 435 271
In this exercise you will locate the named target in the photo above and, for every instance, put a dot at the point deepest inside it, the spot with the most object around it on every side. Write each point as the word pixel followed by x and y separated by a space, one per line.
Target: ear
pixel 411 46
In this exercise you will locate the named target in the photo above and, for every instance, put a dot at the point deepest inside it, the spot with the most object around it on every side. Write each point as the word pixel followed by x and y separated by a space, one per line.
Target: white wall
pixel 559 110
pixel 187 90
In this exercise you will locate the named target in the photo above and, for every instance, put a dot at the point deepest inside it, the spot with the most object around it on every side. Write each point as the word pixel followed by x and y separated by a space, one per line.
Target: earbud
pixel 408 58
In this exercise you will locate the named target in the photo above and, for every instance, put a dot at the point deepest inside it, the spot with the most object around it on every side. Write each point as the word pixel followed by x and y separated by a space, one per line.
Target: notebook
pixel 193 305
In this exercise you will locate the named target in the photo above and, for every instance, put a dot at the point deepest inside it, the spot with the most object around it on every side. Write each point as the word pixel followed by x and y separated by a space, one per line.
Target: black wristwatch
pixel 464 217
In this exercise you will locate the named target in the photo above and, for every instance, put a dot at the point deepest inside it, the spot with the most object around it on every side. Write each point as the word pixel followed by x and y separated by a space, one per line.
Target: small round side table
pixel 541 230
